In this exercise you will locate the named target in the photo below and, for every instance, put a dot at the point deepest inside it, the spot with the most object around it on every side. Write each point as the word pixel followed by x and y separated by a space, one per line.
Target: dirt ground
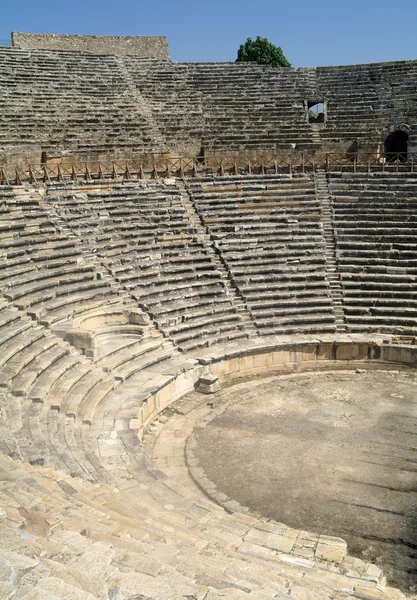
pixel 331 452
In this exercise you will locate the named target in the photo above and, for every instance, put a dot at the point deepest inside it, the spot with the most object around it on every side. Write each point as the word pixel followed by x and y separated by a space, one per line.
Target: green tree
pixel 263 52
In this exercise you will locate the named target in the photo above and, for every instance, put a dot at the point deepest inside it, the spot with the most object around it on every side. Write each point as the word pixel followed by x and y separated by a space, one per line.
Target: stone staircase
pixel 332 270
pixel 218 259
pixel 159 140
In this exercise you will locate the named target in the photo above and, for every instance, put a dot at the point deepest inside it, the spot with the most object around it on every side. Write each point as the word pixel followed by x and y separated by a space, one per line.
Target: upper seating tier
pixel 130 106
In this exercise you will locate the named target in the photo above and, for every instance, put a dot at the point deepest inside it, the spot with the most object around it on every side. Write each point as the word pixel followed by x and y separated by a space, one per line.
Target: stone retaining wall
pixel 142 46
pixel 253 359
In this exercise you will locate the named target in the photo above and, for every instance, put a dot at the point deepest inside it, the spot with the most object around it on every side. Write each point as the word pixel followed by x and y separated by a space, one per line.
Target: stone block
pixel 137 317
pixel 273 541
pixel 208 384
pixel 331 549
pixel 325 352
pixel 83 340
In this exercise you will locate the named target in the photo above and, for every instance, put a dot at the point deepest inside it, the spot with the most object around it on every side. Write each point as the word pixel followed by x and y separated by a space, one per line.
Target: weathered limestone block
pixel 7 573
pixel 208 384
pixel 273 540
pixel 330 548
pixel 137 317
pixel 83 340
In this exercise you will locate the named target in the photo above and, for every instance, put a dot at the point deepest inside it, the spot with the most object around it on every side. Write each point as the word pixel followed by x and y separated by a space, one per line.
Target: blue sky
pixel 319 32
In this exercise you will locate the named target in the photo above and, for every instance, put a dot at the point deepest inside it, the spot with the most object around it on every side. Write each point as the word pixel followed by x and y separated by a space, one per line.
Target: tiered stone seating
pixel 155 247
pixel 65 538
pixel 147 531
pixel 129 105
pixel 171 100
pixel 248 106
pixel 124 272
pixel 375 220
pixel 363 98
pixel 21 343
pixel 60 94
pixel 139 105
pixel 31 360
pixel 83 513
pixel 268 233
pixel 42 269
pixel 120 341
pixel 50 391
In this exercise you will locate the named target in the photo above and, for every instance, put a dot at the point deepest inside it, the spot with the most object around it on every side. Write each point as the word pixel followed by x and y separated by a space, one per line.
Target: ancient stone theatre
pixel 208 325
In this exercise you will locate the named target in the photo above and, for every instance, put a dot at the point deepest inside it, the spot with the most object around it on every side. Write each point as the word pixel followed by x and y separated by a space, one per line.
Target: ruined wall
pixel 142 46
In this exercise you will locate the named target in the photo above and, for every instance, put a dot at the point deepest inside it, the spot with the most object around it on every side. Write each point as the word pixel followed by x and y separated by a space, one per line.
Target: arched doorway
pixel 396 146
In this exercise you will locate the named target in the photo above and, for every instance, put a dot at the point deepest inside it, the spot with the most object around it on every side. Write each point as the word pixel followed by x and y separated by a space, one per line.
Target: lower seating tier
pixel 151 243
pixel 268 233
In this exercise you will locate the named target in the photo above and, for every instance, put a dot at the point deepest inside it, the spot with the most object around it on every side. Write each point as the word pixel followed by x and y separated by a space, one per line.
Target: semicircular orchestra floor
pixel 328 452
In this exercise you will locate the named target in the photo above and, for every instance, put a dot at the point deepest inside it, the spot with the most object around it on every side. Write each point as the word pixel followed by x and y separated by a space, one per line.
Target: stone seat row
pixel 371 178
pixel 289 237
pixel 41 264
pixel 387 212
pixel 378 264
pixel 246 182
pixel 275 185
pixel 270 186
pixel 380 181
pixel 279 248
pixel 375 237
pixel 158 265
pixel 261 202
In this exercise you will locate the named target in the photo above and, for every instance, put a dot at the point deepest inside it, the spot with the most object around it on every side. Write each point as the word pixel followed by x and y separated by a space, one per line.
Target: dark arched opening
pixel 352 151
pixel 43 158
pixel 396 146
pixel 201 156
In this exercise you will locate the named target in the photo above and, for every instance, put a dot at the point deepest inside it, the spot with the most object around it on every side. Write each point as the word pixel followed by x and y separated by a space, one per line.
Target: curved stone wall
pixel 254 358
